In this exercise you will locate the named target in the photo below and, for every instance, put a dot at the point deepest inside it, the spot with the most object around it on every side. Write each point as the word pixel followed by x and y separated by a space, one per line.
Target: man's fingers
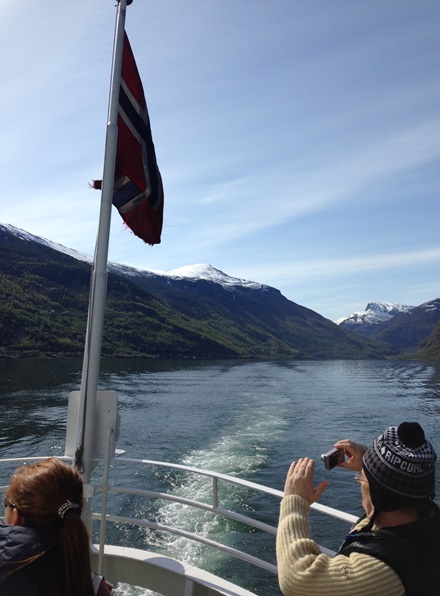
pixel 292 467
pixel 303 464
pixel 321 488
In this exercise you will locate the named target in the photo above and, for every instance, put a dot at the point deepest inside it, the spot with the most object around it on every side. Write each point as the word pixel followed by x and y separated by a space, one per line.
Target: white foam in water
pixel 239 453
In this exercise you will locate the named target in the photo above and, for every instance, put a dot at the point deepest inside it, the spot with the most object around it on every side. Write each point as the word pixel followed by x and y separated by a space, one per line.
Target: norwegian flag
pixel 138 191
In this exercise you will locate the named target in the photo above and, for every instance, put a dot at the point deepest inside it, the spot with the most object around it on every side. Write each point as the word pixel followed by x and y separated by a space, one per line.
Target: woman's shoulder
pixel 19 542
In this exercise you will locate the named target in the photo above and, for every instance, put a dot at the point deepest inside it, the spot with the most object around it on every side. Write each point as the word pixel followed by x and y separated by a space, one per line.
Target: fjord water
pixel 247 419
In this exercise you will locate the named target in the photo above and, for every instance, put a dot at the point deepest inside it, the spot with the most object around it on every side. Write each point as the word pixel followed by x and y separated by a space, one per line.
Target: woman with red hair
pixel 44 546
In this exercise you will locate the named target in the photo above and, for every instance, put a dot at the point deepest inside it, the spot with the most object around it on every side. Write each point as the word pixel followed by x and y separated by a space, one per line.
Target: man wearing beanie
pixel 394 549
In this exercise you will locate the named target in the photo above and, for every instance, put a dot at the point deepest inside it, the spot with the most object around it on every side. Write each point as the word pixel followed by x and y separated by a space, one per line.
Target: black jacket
pixel 411 550
pixel 17 544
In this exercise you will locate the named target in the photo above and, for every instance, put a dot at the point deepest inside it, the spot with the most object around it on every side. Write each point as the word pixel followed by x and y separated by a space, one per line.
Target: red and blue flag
pixel 138 191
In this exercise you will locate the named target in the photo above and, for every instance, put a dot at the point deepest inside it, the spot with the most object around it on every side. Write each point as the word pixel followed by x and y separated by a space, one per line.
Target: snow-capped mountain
pixel 374 314
pixel 209 273
pixel 188 288
pixel 432 306
pixel 402 326
pixel 23 235
pixel 189 272
pixel 191 312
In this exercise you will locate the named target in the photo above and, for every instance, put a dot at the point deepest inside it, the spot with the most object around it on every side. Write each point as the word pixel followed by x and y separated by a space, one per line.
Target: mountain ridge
pixel 413 330
pixel 196 271
pixel 44 308
pixel 375 317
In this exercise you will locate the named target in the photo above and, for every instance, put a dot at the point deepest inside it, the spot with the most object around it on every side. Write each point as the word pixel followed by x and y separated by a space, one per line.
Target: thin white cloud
pixel 320 268
pixel 244 206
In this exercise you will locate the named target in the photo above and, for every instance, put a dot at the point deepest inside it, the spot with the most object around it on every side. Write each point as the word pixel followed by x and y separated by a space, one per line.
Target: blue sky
pixel 298 140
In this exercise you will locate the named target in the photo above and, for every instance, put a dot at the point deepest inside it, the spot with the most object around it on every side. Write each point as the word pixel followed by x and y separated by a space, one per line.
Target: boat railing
pixel 214 505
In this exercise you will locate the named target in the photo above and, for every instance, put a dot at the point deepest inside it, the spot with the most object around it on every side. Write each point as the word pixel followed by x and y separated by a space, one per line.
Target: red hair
pixel 38 491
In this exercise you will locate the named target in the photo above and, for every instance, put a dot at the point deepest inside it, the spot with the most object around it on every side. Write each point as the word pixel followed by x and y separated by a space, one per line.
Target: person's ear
pixel 17 518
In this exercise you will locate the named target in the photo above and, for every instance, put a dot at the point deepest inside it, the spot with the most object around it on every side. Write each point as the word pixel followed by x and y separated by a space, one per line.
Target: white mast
pixel 98 284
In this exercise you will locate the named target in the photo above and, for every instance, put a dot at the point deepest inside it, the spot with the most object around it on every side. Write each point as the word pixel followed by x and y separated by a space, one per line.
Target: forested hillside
pixel 44 301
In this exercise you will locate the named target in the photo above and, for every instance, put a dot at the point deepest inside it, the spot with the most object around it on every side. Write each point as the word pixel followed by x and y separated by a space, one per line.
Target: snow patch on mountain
pixel 375 313
pixel 210 273
pixel 19 233
pixel 190 272
pixel 431 306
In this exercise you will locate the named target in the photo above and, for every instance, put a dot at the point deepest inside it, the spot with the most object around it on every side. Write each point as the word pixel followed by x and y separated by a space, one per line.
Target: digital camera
pixel 333 458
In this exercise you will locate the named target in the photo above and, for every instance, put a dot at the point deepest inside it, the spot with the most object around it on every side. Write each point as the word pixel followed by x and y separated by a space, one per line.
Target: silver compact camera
pixel 333 458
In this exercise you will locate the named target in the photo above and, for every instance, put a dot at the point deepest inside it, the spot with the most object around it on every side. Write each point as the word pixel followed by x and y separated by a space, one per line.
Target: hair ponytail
pixel 49 494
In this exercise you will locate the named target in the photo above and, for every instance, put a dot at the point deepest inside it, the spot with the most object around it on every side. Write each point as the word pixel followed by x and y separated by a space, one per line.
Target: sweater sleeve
pixel 304 570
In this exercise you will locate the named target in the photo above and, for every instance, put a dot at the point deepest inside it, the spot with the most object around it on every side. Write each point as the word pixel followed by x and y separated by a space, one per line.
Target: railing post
pixel 103 524
pixel 215 492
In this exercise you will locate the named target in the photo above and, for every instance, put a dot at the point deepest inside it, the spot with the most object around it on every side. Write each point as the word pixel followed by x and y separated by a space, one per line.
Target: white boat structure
pixel 92 431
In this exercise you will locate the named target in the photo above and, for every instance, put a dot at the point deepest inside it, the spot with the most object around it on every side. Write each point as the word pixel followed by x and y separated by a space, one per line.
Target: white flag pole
pixel 98 284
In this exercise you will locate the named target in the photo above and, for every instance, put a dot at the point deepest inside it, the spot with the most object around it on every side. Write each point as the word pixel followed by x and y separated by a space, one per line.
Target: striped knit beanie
pixel 400 467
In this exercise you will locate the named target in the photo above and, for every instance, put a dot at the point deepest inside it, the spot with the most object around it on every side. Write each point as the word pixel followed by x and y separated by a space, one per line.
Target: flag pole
pixel 98 283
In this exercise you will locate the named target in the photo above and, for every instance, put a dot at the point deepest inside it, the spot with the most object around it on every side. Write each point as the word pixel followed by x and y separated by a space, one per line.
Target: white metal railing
pixel 239 482
pixel 24 460
pixel 213 507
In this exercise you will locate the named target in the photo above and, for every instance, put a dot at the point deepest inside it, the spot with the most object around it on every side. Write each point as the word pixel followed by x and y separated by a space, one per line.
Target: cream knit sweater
pixel 303 569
